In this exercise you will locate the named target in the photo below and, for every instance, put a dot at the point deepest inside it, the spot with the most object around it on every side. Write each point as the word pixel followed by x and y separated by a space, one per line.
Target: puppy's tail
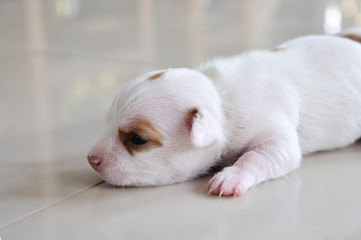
pixel 351 33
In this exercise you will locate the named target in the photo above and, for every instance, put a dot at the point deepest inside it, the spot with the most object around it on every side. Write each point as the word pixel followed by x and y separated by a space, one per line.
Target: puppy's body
pixel 314 82
pixel 259 111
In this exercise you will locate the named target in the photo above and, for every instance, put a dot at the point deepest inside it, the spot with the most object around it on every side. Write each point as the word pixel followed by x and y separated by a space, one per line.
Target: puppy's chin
pixel 125 179
pixel 129 182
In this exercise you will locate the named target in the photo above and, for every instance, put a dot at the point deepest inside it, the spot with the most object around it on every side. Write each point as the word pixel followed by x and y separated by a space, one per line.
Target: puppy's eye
pixel 138 140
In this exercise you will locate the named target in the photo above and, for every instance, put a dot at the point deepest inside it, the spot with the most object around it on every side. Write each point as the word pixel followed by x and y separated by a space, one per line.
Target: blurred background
pixel 62 61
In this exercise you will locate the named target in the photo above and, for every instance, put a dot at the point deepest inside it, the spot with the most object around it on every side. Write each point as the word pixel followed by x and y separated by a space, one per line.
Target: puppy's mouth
pixel 130 179
pixel 112 178
pixel 115 176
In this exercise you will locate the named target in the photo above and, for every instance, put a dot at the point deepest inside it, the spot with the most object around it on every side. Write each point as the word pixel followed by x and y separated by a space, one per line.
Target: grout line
pixel 48 206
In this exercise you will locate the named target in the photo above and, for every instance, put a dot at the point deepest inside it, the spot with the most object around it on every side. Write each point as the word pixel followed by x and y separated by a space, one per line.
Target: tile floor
pixel 61 62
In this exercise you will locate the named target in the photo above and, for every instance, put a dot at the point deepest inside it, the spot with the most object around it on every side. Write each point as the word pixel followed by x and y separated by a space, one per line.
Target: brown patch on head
pixel 192 113
pixel 277 49
pixel 353 37
pixel 155 76
pixel 139 135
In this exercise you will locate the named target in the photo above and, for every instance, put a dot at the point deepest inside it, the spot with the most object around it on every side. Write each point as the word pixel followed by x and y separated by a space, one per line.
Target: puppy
pixel 253 114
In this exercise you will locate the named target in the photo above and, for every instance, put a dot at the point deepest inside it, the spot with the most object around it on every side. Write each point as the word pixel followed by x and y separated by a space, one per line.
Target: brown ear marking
pixel 277 49
pixel 192 113
pixel 146 130
pixel 353 37
pixel 155 76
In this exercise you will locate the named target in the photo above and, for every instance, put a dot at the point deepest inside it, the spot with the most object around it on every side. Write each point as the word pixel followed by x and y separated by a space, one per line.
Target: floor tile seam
pixel 45 207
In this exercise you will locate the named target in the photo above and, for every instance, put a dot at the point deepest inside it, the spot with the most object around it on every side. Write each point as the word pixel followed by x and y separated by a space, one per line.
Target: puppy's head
pixel 163 127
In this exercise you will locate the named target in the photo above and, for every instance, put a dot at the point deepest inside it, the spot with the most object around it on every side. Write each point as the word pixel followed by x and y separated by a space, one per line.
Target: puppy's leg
pixel 273 156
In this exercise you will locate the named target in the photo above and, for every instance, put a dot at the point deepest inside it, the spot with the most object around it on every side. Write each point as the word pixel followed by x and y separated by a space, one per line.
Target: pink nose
pixel 94 161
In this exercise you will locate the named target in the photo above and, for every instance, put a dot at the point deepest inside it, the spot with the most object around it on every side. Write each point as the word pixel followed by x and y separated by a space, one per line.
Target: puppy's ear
pixel 204 128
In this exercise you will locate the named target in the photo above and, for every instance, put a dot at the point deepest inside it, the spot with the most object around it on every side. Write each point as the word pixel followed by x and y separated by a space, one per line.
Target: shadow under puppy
pixel 255 114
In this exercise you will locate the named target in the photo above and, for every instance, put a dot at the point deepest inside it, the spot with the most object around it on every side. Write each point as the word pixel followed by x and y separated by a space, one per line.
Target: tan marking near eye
pixel 276 49
pixel 155 76
pixel 143 128
pixel 353 37
pixel 150 131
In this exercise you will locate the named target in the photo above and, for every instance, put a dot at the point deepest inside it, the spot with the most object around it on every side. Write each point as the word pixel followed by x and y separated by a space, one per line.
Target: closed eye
pixel 139 135
pixel 137 139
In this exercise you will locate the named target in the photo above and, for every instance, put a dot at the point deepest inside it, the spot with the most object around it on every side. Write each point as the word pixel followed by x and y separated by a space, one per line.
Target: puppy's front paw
pixel 229 182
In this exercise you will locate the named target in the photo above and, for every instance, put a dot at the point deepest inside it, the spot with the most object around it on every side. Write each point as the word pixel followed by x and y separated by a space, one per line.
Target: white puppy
pixel 254 114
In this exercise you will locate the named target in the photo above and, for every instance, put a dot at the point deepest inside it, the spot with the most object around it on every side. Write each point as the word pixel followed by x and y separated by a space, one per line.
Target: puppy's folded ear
pixel 205 129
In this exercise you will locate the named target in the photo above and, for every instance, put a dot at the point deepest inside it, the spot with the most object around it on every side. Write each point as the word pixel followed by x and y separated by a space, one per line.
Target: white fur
pixel 258 112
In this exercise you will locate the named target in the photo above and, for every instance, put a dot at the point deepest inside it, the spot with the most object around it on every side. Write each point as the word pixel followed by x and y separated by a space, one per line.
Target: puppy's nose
pixel 94 161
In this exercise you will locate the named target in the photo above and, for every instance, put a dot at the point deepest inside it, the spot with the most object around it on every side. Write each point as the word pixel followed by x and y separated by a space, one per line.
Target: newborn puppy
pixel 254 115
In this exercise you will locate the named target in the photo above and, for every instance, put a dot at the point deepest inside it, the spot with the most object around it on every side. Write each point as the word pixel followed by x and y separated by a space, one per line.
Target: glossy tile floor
pixel 61 62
